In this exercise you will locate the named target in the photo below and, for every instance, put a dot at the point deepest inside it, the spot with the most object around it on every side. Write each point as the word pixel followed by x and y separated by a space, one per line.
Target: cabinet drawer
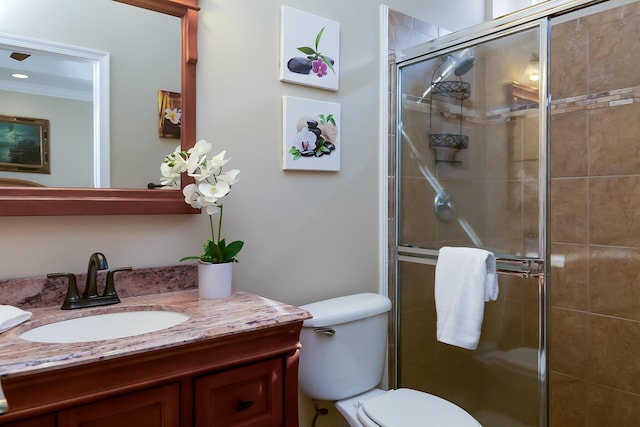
pixel 247 396
pixel 154 407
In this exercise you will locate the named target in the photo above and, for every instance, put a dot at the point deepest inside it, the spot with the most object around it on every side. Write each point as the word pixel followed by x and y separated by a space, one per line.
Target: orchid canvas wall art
pixel 311 131
pixel 169 114
pixel 309 49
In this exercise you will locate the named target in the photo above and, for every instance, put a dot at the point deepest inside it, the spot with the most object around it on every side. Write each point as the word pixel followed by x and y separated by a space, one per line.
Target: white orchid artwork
pixel 311 134
pixel 169 114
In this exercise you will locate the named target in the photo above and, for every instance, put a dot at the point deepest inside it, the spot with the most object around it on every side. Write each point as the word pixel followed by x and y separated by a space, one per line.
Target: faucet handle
pixel 110 288
pixel 72 289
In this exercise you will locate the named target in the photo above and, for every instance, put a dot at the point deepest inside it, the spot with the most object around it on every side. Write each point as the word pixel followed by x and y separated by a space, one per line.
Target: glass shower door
pixel 472 172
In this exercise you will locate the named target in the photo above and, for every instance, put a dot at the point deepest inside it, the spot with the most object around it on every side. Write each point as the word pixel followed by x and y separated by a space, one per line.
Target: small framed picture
pixel 309 49
pixel 24 144
pixel 169 114
pixel 311 133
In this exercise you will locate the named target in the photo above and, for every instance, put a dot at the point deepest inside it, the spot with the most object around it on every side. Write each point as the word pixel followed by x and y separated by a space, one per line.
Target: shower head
pixel 462 62
pixel 459 63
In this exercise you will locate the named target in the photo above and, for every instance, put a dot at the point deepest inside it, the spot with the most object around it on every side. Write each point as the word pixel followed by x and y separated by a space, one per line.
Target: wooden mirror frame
pixel 45 201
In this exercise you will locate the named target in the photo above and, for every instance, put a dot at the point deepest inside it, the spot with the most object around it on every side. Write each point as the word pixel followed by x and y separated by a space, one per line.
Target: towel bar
pixel 505 264
pixel 522 267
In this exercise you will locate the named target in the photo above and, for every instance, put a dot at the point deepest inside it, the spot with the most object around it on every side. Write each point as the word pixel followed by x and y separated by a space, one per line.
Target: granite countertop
pixel 242 312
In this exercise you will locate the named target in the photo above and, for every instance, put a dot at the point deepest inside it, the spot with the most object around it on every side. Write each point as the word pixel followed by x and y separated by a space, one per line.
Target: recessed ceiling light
pixel 19 76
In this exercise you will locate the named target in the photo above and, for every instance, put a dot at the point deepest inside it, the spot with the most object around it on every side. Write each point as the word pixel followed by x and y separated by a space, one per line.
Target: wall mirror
pixel 119 120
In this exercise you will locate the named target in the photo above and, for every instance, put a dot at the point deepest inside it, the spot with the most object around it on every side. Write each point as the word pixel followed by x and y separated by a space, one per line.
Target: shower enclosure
pixel 519 136
pixel 472 171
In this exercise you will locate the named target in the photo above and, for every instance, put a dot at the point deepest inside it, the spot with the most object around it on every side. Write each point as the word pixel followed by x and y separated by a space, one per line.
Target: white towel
pixel 11 316
pixel 465 279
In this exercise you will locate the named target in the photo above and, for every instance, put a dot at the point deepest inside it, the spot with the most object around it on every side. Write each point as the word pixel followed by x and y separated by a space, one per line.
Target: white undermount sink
pixel 104 326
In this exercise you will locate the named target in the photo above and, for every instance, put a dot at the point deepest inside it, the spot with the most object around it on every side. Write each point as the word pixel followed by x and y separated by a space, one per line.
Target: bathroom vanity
pixel 233 362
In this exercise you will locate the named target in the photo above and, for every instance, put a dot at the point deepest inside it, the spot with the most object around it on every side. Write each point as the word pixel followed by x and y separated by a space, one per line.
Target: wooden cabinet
pixel 250 396
pixel 248 379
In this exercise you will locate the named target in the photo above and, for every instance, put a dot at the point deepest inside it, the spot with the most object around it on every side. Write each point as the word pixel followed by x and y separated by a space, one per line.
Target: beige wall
pixel 308 235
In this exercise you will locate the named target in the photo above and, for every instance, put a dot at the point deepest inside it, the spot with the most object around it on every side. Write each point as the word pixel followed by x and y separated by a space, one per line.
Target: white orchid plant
pixel 210 187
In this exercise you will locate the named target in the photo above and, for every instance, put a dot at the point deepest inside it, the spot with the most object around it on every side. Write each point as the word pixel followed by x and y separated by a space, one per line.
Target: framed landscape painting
pixel 24 144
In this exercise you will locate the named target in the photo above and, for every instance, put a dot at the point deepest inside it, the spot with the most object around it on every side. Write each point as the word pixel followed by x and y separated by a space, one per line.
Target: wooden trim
pixel 38 201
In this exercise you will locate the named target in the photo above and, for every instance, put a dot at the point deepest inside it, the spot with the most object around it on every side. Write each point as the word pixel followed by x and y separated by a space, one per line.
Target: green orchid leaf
pixel 296 153
pixel 232 250
pixel 318 37
pixel 307 50
pixel 215 252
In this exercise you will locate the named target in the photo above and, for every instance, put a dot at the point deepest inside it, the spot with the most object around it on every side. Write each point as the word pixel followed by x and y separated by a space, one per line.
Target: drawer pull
pixel 243 405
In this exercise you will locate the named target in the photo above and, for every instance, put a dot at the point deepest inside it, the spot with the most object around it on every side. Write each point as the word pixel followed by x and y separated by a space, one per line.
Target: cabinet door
pixel 48 420
pixel 155 407
pixel 249 396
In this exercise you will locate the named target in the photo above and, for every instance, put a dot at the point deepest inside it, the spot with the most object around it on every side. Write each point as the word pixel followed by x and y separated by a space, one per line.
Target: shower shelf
pixel 452 88
pixel 447 145
pixel 448 140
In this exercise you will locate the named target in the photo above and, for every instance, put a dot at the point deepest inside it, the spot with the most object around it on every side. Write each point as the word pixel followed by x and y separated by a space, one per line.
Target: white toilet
pixel 342 359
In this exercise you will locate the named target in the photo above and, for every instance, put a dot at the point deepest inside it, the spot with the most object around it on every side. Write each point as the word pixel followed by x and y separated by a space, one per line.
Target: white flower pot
pixel 214 280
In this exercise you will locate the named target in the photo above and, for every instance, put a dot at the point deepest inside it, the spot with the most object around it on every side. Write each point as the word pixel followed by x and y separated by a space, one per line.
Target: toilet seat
pixel 405 407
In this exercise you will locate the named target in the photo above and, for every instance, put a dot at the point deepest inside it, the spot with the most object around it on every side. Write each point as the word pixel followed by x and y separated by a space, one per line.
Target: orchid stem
pixel 213 236
pixel 220 225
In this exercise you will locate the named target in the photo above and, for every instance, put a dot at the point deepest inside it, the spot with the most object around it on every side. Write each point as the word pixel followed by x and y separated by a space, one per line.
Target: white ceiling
pixel 49 74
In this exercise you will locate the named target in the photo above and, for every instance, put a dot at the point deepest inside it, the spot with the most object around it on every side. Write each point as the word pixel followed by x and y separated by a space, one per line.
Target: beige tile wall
pixel 595 220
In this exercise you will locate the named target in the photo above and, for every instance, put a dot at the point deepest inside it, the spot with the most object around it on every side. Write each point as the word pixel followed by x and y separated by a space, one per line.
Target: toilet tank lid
pixel 344 309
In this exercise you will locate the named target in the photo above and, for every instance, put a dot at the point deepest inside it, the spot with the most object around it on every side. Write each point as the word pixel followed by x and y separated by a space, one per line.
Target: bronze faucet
pixel 90 297
pixel 97 261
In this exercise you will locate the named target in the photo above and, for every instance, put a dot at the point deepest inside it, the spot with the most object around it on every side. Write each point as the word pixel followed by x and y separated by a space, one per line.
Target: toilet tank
pixel 343 346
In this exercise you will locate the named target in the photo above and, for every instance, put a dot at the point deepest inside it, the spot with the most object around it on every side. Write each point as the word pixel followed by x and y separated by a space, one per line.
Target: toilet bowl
pixel 342 360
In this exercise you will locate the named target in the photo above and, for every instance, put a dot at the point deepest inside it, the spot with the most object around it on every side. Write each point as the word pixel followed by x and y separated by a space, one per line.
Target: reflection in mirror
pixel 93 143
pixel 69 86
pixel 133 126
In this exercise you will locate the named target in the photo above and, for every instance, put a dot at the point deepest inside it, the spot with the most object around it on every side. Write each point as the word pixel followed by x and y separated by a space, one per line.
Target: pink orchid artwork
pixel 309 49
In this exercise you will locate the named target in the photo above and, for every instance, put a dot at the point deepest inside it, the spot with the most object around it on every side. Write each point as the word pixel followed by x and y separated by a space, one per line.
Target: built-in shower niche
pixel 452 94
